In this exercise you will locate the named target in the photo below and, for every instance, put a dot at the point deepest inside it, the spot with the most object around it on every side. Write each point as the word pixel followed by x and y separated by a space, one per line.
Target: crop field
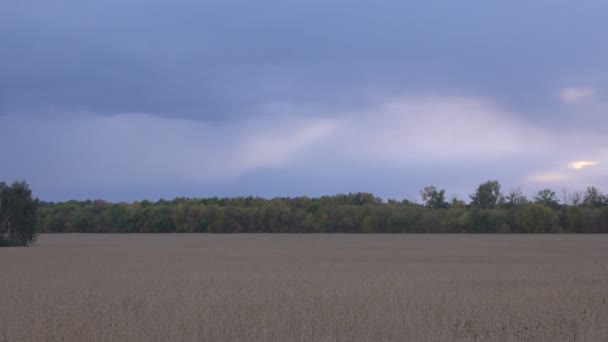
pixel 273 287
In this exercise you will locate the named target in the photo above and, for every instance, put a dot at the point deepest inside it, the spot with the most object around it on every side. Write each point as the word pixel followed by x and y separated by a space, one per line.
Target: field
pixel 306 288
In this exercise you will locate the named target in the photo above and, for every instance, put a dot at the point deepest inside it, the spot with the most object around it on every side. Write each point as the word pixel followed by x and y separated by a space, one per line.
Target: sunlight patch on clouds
pixel 274 148
pixel 577 165
pixel 576 94
pixel 439 128
pixel 408 131
pixel 142 148
pixel 548 177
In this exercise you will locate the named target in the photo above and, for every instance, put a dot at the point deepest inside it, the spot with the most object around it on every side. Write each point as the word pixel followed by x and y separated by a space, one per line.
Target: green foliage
pixel 17 215
pixel 488 220
pixel 548 198
pixel 594 198
pixel 538 218
pixel 21 217
pixel 433 198
pixel 353 213
pixel 515 198
pixel 487 196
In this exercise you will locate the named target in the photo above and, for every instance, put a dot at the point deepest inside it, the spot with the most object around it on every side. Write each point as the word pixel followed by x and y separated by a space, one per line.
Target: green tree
pixel 433 198
pixel 487 195
pixel 548 198
pixel 538 218
pixel 17 214
pixel 515 198
pixel 353 212
pixel 488 220
pixel 594 198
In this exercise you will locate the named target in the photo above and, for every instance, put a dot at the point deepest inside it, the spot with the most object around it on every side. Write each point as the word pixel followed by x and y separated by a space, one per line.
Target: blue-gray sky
pixel 136 99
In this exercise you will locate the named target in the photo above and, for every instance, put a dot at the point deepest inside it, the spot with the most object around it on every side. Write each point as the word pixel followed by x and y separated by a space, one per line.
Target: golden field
pixel 273 287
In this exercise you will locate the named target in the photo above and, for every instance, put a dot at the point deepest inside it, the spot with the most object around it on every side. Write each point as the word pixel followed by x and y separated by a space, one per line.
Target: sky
pixel 131 99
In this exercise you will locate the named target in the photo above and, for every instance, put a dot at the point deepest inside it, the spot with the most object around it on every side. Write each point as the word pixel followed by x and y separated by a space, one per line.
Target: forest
pixel 488 211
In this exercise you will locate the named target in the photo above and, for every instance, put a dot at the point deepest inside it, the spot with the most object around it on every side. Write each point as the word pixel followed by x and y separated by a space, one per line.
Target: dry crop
pixel 306 288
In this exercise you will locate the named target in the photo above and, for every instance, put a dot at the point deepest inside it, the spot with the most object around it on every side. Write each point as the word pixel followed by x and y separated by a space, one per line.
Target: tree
pixel 547 198
pixel 17 215
pixel 538 218
pixel 594 198
pixel 487 195
pixel 515 198
pixel 456 202
pixel 353 212
pixel 566 197
pixel 433 198
pixel 576 199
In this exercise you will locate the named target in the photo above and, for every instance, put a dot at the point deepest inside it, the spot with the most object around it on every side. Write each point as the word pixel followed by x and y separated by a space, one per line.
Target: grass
pixel 306 288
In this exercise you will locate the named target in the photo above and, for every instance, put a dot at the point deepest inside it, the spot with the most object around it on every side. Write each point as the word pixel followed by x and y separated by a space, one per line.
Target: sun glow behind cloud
pixel 577 165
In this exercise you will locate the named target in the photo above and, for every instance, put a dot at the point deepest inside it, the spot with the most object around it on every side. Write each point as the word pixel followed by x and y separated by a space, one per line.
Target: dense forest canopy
pixel 489 211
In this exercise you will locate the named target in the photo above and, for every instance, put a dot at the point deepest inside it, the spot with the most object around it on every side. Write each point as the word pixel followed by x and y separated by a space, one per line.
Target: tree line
pixel 488 211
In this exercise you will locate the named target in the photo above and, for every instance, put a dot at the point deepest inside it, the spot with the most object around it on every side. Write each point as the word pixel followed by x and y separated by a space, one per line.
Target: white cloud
pixel 576 94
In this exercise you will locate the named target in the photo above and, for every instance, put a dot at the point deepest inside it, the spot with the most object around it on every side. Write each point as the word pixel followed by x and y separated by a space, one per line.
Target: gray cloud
pixel 230 93
pixel 457 141
pixel 215 59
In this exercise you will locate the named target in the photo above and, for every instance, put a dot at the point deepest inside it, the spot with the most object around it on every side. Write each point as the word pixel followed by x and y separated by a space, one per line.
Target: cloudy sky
pixel 132 99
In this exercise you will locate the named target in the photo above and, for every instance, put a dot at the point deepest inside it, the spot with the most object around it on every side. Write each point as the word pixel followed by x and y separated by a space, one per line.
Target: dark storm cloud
pixel 217 59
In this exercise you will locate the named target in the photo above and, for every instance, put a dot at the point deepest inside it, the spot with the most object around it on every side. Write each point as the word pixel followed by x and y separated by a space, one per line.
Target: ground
pixel 264 287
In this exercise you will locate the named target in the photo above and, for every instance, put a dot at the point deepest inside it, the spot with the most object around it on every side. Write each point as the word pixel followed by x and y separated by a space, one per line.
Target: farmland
pixel 282 287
